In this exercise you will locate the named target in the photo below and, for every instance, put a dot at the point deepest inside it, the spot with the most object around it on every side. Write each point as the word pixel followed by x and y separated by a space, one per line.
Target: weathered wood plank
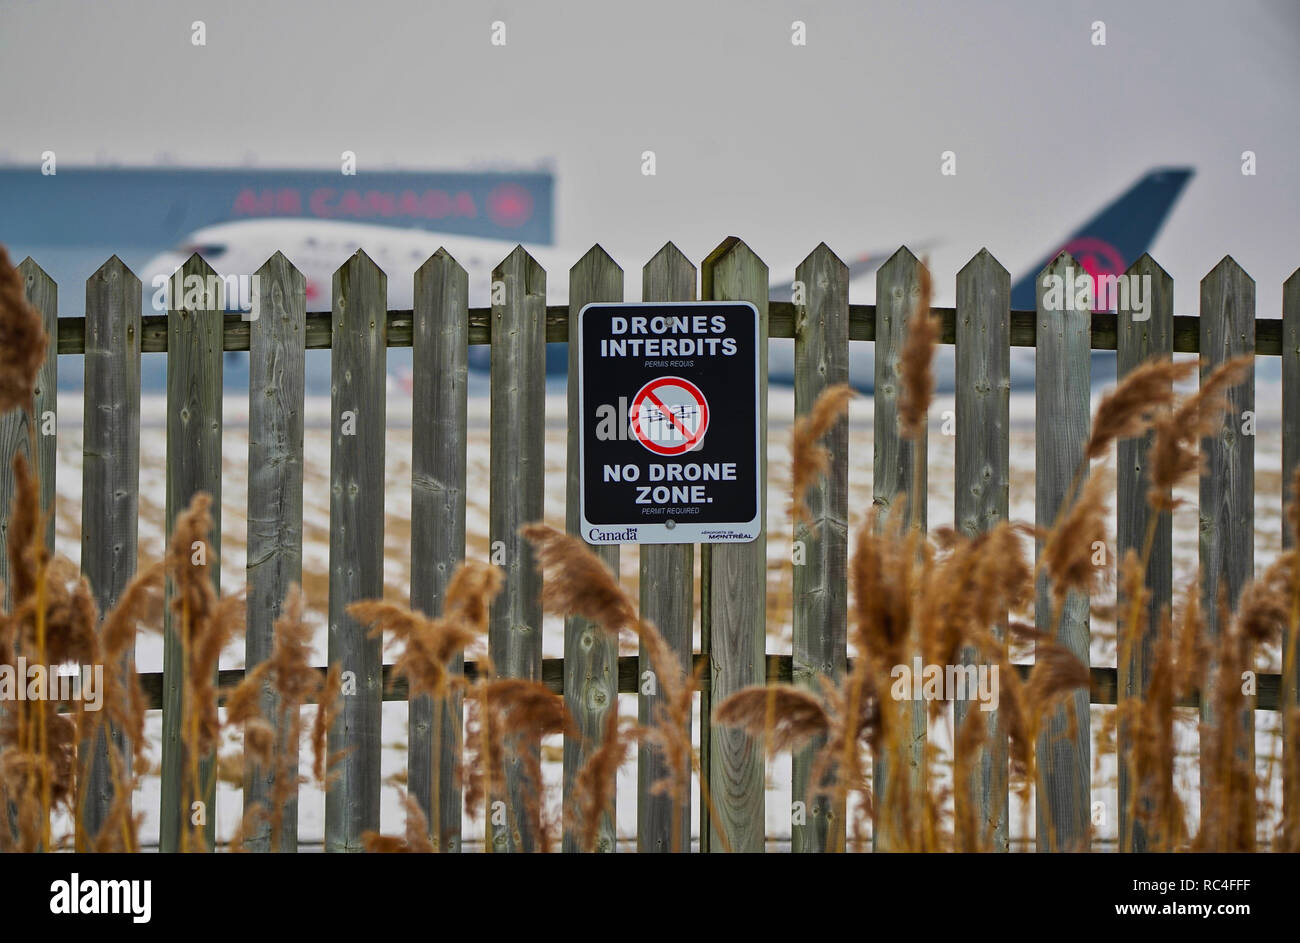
pixel 590 652
pixel 194 372
pixel 981 501
pixel 16 433
pixel 1227 496
pixel 1139 342
pixel 736 610
pixel 1101 690
pixel 440 376
pixel 359 374
pixel 275 471
pixel 1062 420
pixel 110 487
pixel 667 591
pixel 862 327
pixel 899 484
pixel 517 471
pixel 820 617
pixel 1290 462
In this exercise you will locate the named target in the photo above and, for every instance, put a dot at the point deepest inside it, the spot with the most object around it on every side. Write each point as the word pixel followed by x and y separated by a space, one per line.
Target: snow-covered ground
pixel 1268 524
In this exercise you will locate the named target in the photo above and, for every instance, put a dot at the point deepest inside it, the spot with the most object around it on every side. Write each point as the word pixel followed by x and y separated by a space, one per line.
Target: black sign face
pixel 668 405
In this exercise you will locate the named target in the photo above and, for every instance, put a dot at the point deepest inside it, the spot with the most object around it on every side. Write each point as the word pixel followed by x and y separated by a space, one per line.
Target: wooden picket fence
pixel 441 328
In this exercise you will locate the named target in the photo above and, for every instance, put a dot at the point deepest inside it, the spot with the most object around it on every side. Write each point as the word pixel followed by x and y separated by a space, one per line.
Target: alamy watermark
pixel 1101 292
pixel 23 682
pixel 240 293
pixel 922 682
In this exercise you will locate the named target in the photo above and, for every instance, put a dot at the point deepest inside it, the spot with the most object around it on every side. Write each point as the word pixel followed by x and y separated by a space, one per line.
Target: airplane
pixel 1107 243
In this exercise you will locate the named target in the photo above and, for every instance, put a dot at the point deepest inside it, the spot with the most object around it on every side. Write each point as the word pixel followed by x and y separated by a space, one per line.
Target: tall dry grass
pixel 940 595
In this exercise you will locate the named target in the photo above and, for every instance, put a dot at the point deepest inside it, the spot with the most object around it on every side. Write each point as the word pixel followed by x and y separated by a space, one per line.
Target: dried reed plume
pixel 1131 407
pixel 914 366
pixel 1175 453
pixel 415 841
pixel 516 714
pixel 786 717
pixel 23 341
pixel 1069 547
pixel 430 646
pixel 268 703
pixel 205 624
pixel 577 582
pixel 808 457
pixel 594 785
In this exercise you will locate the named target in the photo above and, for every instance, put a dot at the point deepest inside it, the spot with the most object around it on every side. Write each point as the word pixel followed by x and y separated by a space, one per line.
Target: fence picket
pixel 277 359
pixel 981 500
pixel 110 488
pixel 667 590
pixel 15 436
pixel 194 371
pixel 1290 698
pixel 734 628
pixel 516 467
pixel 1062 412
pixel 733 577
pixel 357 433
pixel 1140 341
pixel 438 453
pixel 820 646
pixel 1227 500
pixel 899 483
pixel 590 652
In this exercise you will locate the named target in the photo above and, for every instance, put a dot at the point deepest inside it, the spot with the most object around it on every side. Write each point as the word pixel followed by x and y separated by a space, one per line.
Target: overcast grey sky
pixel 785 146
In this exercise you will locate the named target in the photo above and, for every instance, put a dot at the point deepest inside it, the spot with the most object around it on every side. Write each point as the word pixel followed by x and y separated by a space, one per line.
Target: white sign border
pixel 682 532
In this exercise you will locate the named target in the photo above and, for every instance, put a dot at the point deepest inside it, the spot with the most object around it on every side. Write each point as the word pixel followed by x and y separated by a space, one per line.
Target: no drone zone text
pixel 669 412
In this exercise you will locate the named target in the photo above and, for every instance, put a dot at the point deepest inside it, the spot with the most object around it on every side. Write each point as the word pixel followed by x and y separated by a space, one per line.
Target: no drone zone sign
pixel 669 412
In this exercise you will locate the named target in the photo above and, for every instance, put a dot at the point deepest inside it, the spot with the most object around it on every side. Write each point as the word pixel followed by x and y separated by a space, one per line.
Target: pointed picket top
pixel 1145 265
pixel 902 257
pixel 1226 272
pixel 359 275
pixel 822 256
pixel 276 279
pixel 43 294
pixel 668 276
pixel 669 255
pixel 898 283
pixel 113 269
pixel 595 259
pixel 518 256
pixel 196 286
pixel 1065 268
pixel 1058 265
pixel 32 272
pixel 519 265
pixel 279 268
pixel 440 259
pixel 668 259
pixel 278 262
pixel 359 263
pixel 1293 282
pixel 983 263
pixel 731 256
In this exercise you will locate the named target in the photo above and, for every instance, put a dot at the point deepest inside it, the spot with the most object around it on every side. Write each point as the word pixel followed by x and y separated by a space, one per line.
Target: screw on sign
pixel 670 416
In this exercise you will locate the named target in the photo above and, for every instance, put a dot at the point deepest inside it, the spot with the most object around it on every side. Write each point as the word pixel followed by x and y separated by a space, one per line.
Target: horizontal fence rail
pixel 779 670
pixel 862 327
pixel 732 590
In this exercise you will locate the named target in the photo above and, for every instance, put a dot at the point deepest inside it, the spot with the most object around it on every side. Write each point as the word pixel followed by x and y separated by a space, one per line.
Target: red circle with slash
pixel 670 416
